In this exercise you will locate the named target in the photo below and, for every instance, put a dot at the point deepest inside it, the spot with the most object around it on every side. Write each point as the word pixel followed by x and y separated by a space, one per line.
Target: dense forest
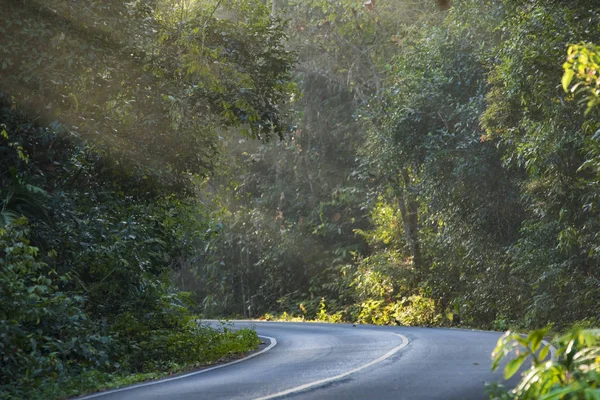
pixel 389 162
pixel 435 171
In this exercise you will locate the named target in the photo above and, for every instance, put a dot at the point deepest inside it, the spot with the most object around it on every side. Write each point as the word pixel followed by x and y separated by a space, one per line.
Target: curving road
pixel 336 361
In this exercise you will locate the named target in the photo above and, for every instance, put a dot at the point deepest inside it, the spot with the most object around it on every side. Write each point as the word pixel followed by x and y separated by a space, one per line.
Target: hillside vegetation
pixel 434 164
pixel 111 116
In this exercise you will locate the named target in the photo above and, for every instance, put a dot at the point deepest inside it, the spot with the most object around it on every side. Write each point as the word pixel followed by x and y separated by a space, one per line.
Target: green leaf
pixel 559 393
pixel 535 339
pixel 544 353
pixel 592 394
pixel 513 366
pixel 567 78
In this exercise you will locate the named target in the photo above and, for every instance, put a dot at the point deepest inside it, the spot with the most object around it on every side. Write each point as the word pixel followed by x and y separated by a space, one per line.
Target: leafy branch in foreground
pixel 574 372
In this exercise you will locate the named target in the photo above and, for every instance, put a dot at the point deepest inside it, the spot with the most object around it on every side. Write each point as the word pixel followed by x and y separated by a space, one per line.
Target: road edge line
pixel 99 394
pixel 320 382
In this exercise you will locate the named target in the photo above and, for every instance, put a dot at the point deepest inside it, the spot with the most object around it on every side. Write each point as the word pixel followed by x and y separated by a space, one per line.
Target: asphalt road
pixel 335 361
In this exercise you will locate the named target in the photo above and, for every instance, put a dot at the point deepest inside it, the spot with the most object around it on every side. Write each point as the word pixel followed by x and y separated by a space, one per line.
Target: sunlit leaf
pixel 567 78
pixel 513 366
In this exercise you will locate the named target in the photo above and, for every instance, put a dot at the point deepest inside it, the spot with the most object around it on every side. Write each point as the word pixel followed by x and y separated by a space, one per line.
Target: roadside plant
pixel 572 373
pixel 324 316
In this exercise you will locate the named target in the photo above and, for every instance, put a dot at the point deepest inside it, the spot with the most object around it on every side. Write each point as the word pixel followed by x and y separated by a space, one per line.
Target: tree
pixel 111 112
pixel 151 83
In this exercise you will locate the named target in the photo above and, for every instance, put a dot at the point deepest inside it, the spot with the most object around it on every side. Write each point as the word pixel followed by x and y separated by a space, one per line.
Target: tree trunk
pixel 243 284
pixel 409 208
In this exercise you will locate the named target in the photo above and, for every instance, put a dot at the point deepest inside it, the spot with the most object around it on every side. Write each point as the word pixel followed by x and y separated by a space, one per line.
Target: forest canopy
pixel 435 166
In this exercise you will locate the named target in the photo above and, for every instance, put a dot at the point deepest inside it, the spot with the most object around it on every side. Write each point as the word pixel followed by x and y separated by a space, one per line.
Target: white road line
pixel 340 376
pixel 269 347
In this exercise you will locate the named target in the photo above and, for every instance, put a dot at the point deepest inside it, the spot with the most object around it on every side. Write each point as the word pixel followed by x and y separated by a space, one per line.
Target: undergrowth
pixel 198 346
pixel 409 311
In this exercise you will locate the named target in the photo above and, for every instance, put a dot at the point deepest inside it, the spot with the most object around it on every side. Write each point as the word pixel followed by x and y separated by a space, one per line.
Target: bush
pixel 414 310
pixel 194 344
pixel 323 316
pixel 417 310
pixel 44 331
pixel 50 347
pixel 374 312
pixel 573 374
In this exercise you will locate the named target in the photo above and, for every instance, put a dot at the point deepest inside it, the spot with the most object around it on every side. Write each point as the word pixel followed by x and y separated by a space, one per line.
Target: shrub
pixel 44 331
pixel 417 310
pixel 573 374
pixel 412 311
pixel 374 312
pixel 323 316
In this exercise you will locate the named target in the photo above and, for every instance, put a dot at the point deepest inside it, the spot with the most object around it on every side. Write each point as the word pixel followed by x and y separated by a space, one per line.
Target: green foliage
pixel 17 197
pixel 323 316
pixel 409 311
pixel 110 116
pixel 151 84
pixel 375 312
pixel 431 155
pixel 293 206
pixel 193 343
pixel 44 332
pixel 431 165
pixel 583 62
pixel 49 334
pixel 457 207
pixel 386 223
pixel 572 373
pixel 549 140
pixel 417 311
